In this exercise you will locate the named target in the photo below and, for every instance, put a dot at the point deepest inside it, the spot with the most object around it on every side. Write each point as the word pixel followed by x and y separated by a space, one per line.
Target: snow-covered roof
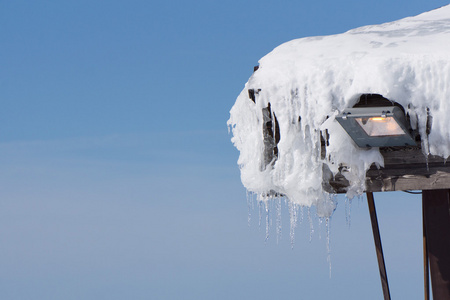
pixel 308 81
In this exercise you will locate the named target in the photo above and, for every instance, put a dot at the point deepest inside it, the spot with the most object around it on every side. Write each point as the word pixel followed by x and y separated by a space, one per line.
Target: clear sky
pixel 118 179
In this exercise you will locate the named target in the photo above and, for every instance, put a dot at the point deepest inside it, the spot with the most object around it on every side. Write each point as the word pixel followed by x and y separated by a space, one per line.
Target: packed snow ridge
pixel 306 82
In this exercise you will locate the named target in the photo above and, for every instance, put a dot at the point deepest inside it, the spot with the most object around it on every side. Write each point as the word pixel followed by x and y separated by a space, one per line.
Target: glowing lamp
pixel 376 126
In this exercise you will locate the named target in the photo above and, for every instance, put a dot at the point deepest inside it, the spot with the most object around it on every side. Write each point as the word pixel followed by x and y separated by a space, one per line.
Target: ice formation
pixel 308 81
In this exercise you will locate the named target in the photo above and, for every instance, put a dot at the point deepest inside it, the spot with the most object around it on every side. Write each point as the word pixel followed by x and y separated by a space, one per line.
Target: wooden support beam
pixel 378 247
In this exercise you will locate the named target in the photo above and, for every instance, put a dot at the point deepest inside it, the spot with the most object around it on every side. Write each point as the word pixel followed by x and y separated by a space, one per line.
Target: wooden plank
pixel 408 155
pixel 405 169
pixel 386 181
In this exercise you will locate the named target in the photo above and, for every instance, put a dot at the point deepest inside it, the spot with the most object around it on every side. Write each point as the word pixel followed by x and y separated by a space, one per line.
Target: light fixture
pixel 376 126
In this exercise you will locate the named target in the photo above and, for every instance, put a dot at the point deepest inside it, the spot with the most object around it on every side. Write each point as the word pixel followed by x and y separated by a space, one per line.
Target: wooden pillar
pixel 436 218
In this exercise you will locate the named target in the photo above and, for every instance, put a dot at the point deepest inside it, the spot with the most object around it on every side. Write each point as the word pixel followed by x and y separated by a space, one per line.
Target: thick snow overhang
pixel 288 108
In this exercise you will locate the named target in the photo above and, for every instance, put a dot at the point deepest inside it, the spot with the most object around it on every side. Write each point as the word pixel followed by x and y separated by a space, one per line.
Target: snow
pixel 309 80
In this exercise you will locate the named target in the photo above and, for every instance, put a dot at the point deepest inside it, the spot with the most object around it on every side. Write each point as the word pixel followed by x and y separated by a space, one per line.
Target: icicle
pixel 249 208
pixel 320 228
pixel 260 204
pixel 293 215
pixel 301 214
pixel 311 225
pixel 328 225
pixel 360 199
pixel 267 221
pixel 278 219
pixel 348 211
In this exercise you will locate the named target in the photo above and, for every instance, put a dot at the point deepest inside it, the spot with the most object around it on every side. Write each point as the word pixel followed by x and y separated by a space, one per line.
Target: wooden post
pixel 378 248
pixel 426 273
pixel 436 210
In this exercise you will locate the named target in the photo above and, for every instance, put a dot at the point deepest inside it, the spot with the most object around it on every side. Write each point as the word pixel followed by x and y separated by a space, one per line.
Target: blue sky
pixel 118 179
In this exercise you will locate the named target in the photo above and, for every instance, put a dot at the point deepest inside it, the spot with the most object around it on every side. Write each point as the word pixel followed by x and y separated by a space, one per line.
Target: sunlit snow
pixel 308 81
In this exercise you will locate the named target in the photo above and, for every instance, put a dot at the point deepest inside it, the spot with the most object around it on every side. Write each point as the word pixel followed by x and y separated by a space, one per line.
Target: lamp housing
pixel 384 126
